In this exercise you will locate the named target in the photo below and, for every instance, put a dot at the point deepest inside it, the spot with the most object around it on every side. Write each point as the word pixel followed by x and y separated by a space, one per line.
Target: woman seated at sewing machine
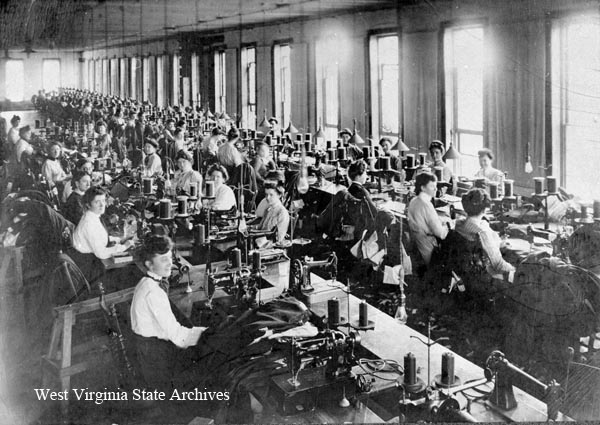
pixel 103 141
pixel 425 225
pixel 73 209
pixel 90 238
pixel 160 339
pixel 276 215
pixel 436 150
pixel 486 157
pixel 152 162
pixel 52 169
pixel 475 202
pixel 386 150
pixel 186 176
pixel 224 198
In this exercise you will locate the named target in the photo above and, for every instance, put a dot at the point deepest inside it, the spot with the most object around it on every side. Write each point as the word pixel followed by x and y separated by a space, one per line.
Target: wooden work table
pixel 393 340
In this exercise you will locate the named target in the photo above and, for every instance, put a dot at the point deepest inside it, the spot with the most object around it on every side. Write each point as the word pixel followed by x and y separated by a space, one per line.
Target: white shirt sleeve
pixel 91 237
pixel 158 304
pixel 434 223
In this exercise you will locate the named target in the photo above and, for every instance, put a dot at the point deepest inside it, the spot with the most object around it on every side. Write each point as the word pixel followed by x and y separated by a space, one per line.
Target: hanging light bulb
pixel 264 126
pixel 355 139
pixel 319 136
pixel 291 129
pixel 302 184
pixel 528 165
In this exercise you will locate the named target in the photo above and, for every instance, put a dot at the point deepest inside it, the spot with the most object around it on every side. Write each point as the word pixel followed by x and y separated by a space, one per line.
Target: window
pixel 160 82
pixel 248 87
pixel 195 80
pixel 50 74
pixel 175 80
pixel 114 76
pixel 328 98
pixel 123 78
pixel 145 79
pixel 90 82
pixel 98 75
pixel 463 73
pixel 220 87
pixel 385 85
pixel 576 104
pixel 282 78
pixel 134 65
pixel 15 80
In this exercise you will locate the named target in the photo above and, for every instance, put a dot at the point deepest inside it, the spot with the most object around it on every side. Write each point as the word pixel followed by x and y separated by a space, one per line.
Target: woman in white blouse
pixel 90 238
pixel 224 196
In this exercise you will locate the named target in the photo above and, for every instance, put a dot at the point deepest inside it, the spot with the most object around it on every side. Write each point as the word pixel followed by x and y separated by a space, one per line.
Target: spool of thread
pixel 236 258
pixel 308 146
pixel 331 154
pixel 147 185
pixel 333 311
pixel 439 173
pixel 329 144
pixel 256 260
pixel 269 140
pixel 422 158
pixel 584 212
pixel 410 369
pixel 551 184
pixel 200 234
pixel 410 160
pixel 109 163
pixel 448 368
pixel 376 153
pixel 164 209
pixel 597 209
pixel 479 182
pixel 193 190
pixel 298 138
pixel 493 189
pixel 363 314
pixel 339 143
pixel 341 153
pixel 539 185
pixel 252 134
pixel 508 187
pixel 96 164
pixel 210 189
pixel 366 152
pixel 385 163
pixel 182 204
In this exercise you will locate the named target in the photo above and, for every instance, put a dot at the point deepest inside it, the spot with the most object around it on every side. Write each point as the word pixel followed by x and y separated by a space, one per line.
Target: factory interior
pixel 299 211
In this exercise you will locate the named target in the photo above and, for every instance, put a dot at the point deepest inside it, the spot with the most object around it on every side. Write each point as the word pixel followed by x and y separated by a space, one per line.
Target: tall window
pixel 123 89
pixel 90 82
pixel 220 86
pixel 282 77
pixel 134 65
pixel 463 71
pixel 576 104
pixel 328 97
pixel 195 80
pixel 385 85
pixel 145 79
pixel 248 61
pixel 15 80
pixel 114 76
pixel 175 76
pixel 50 74
pixel 160 82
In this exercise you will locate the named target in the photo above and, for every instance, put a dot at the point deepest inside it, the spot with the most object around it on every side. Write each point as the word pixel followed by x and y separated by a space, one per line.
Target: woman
pixel 475 202
pixel 423 221
pixel 436 150
pixel 357 172
pixel 262 163
pixel 160 340
pixel 23 145
pixel 52 170
pixel 224 196
pixel 90 238
pixel 228 155
pixel 276 214
pixel 73 209
pixel 103 141
pixel 152 162
pixel 186 176
pixel 13 133
pixel 491 174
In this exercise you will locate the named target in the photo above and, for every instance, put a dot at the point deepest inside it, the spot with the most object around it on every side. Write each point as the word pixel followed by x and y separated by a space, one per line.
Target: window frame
pixel 220 79
pixel 321 74
pixel 280 84
pixel 247 72
pixel 8 81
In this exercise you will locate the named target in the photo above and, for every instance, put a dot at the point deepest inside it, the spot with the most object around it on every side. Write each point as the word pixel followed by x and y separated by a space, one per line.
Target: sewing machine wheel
pixel 297 274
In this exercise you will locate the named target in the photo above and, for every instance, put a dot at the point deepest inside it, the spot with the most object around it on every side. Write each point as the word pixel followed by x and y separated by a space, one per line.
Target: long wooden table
pixel 393 340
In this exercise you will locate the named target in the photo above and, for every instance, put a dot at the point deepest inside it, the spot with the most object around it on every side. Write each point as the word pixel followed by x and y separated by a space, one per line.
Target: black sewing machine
pixel 300 283
pixel 319 371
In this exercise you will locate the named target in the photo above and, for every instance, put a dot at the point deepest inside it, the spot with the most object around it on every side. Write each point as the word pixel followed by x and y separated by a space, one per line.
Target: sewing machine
pixel 301 269
pixel 320 371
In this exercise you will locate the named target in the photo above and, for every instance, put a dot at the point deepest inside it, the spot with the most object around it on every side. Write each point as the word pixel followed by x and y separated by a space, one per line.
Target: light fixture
pixel 528 165
pixel 355 138
pixel 451 153
pixel 264 126
pixel 319 136
pixel 291 129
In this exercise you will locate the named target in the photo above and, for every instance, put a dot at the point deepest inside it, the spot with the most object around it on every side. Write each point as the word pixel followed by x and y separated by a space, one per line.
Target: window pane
pixel 389 99
pixel 468 146
pixel 328 100
pixel 385 86
pixel 51 74
pixel 283 86
pixel 15 80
